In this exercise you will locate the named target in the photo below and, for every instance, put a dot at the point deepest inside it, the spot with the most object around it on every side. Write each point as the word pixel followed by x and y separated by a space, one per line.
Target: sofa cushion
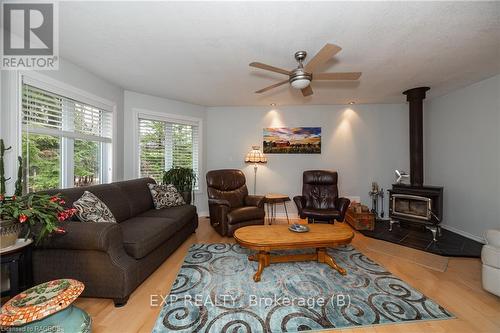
pixel 242 214
pixel 141 235
pixel 137 194
pixel 183 213
pixel 110 194
pixel 165 196
pixel 90 208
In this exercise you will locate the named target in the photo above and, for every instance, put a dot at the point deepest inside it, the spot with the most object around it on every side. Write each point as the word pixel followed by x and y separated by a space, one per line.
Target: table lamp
pixel 255 156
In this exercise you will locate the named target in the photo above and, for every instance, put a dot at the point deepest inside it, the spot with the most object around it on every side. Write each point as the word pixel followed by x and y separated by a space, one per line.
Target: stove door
pixel 411 206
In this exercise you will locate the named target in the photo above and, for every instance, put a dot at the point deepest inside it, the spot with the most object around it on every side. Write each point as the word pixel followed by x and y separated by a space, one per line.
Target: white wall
pixel 134 101
pixel 364 143
pixel 462 153
pixel 68 74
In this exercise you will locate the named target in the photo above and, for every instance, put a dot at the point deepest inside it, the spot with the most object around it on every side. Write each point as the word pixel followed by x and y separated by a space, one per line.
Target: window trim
pixel 66 90
pixel 167 117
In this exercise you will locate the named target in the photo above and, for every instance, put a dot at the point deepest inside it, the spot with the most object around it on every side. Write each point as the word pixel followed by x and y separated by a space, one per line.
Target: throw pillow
pixel 90 208
pixel 165 196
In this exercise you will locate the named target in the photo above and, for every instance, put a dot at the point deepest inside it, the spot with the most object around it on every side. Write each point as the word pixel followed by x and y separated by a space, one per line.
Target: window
pixel 166 144
pixel 66 142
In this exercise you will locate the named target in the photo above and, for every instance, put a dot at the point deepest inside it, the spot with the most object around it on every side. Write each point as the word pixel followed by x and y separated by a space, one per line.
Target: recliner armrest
pixel 342 204
pixel 254 200
pixel 100 236
pixel 300 202
pixel 492 237
pixel 219 202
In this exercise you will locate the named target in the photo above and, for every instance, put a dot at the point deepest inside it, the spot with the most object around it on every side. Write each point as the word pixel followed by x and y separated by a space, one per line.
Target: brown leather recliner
pixel 229 204
pixel 320 197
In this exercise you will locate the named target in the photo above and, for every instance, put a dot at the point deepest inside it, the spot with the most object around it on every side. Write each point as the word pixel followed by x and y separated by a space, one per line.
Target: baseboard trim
pixel 463 233
pixel 203 214
pixel 278 215
pixel 293 215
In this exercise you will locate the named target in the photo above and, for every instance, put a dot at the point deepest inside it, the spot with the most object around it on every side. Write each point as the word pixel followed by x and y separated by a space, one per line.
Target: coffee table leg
pixel 263 258
pixel 324 257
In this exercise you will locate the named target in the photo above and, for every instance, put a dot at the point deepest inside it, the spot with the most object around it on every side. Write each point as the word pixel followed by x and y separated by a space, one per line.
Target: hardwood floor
pixel 458 290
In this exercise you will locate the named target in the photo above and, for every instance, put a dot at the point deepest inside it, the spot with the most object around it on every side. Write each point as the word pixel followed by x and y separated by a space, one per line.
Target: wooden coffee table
pixel 266 238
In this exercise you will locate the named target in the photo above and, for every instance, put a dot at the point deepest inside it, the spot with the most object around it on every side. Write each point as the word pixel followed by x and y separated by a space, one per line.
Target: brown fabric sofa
pixel 320 197
pixel 229 204
pixel 112 259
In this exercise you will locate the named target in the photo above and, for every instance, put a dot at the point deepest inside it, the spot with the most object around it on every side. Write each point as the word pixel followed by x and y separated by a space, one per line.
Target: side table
pixel 272 200
pixel 47 307
pixel 17 258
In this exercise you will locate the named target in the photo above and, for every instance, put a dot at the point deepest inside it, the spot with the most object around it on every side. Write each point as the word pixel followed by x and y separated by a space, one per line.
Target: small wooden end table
pixel 272 200
pixel 266 238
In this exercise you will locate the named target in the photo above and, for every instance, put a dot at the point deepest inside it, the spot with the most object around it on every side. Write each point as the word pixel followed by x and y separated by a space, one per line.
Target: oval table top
pixel 40 301
pixel 278 237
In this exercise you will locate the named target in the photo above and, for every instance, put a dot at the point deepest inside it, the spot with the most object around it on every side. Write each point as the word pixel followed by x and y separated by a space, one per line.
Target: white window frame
pixel 172 118
pixel 107 165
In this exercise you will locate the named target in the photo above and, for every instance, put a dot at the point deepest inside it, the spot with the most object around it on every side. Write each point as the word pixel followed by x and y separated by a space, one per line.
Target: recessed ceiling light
pixel 352 102
pixel 273 104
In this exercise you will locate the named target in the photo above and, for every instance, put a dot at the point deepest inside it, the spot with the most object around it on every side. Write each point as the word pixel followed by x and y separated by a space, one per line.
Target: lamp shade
pixel 255 156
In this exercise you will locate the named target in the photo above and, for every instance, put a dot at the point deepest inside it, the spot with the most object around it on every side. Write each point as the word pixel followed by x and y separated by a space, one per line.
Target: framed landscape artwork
pixel 292 140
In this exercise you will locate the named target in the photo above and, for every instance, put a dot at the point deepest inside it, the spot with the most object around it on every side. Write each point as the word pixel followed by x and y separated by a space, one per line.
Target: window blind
pixel 152 148
pixel 47 113
pixel 164 145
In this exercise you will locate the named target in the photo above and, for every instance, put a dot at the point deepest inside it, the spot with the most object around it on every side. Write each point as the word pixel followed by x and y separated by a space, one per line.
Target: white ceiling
pixel 199 52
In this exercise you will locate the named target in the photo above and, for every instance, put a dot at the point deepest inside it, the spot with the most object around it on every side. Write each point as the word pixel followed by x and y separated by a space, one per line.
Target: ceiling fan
pixel 301 77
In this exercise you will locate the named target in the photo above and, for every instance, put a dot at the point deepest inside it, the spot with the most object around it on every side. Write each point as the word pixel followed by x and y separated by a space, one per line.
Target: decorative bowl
pixel 298 228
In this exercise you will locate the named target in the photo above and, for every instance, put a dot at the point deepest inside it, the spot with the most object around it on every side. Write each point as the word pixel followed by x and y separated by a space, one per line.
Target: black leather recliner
pixel 229 204
pixel 320 197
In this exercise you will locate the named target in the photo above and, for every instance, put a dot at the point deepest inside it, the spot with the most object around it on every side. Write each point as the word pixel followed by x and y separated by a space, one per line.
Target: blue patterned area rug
pixel 214 292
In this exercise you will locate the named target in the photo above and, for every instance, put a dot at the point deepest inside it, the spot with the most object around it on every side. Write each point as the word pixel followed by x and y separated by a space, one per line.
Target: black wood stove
pixel 416 203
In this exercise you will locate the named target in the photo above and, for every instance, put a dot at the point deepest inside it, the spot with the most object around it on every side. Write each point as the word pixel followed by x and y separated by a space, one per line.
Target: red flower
pixel 54 199
pixel 60 231
pixel 62 202
pixel 13 198
pixel 22 218
pixel 61 216
pixel 2 197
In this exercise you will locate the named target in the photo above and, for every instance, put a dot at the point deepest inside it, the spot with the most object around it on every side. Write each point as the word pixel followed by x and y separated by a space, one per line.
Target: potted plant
pixel 184 180
pixel 37 213
pixel 40 213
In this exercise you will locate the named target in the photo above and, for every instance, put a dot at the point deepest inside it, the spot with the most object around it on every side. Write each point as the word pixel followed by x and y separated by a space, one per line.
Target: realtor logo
pixel 29 35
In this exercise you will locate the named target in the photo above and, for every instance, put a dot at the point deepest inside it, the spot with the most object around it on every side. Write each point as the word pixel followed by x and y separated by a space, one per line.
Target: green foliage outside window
pixel 164 145
pixel 152 151
pixel 42 152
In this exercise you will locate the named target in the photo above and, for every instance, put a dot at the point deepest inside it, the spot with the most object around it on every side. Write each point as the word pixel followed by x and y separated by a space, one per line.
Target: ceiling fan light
pixel 300 83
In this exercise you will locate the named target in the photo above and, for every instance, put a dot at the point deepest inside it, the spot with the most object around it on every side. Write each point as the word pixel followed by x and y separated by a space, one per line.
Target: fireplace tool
pixel 375 193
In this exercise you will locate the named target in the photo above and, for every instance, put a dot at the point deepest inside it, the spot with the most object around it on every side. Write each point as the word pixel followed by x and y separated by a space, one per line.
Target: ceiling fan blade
pixel 337 76
pixel 328 51
pixel 307 91
pixel 270 68
pixel 271 87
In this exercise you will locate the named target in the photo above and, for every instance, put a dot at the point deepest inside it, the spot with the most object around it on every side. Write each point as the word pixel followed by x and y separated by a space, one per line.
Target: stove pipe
pixel 415 97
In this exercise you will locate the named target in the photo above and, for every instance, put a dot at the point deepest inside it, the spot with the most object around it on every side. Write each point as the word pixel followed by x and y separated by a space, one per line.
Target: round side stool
pixel 46 307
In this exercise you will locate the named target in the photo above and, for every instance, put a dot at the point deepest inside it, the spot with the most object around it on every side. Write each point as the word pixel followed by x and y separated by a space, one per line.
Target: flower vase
pixel 9 232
